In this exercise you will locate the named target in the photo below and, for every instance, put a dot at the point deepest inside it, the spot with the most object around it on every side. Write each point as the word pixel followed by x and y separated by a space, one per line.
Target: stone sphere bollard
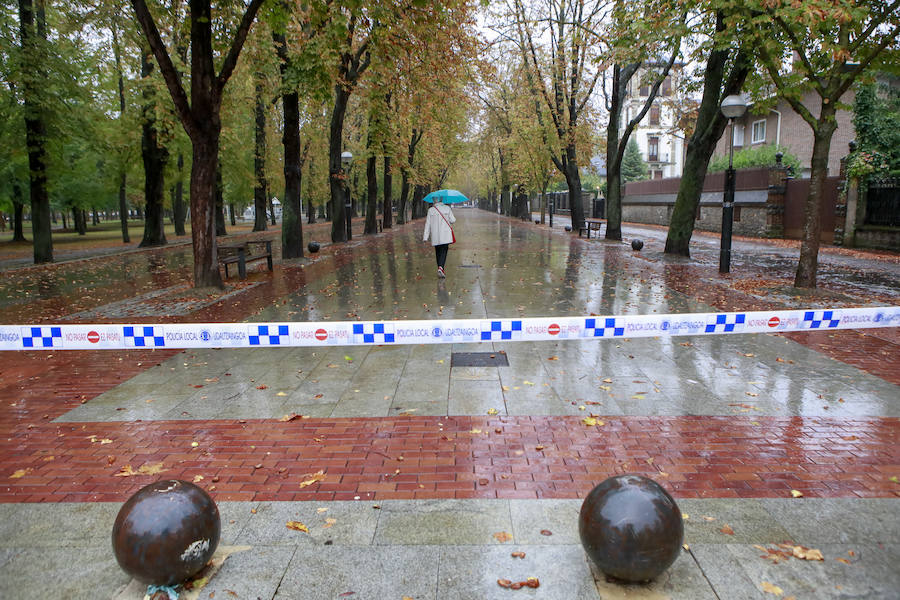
pixel 568 228
pixel 166 532
pixel 636 245
pixel 631 528
pixel 313 247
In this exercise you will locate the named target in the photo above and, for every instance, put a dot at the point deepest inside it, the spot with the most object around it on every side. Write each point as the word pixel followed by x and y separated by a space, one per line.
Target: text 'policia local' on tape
pixel 369 333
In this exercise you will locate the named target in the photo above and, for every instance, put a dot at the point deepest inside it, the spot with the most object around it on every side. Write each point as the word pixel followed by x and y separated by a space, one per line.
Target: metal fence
pixel 883 202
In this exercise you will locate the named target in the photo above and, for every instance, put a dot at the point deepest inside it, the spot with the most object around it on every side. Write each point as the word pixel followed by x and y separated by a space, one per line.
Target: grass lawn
pixel 106 234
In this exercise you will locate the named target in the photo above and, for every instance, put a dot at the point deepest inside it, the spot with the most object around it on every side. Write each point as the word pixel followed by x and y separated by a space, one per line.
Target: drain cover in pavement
pixel 478 359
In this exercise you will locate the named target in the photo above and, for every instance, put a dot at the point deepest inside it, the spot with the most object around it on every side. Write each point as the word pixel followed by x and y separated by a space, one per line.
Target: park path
pixel 52 452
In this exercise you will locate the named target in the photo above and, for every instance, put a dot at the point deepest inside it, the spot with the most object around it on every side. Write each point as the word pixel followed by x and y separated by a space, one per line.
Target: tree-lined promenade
pixel 206 109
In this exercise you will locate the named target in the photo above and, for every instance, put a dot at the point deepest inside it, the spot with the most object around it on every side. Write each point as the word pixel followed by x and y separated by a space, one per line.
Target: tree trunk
pixel 573 180
pixel 260 190
pixel 387 206
pixel 123 207
pixel 371 186
pixel 18 213
pixel 337 179
pixel 178 207
pixel 614 164
pixel 78 221
pixel 123 201
pixel 155 158
pixel 404 194
pixel 372 193
pixel 33 35
pixel 203 232
pixel 310 211
pixel 812 227
pixel 291 208
pixel 418 207
pixel 710 125
pixel 220 202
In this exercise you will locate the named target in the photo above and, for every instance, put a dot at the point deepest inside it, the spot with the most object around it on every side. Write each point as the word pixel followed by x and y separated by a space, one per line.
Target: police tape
pixel 449 331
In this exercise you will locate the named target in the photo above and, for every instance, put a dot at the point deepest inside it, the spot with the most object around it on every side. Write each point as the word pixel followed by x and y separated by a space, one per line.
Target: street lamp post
pixel 346 161
pixel 732 107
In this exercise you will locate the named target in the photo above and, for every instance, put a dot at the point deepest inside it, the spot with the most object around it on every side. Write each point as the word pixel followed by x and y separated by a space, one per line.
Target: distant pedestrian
pixel 438 227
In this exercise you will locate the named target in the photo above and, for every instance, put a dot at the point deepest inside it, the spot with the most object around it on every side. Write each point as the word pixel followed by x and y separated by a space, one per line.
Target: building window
pixel 657 174
pixel 654 114
pixel 652 149
pixel 759 132
pixel 645 89
pixel 738 135
pixel 666 89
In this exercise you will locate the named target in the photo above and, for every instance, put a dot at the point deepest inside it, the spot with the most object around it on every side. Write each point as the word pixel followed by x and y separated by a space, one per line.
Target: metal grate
pixel 479 359
pixel 883 203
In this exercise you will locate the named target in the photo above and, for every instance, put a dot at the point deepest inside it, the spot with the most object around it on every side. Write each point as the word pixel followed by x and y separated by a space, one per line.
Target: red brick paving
pixel 455 457
pixel 429 457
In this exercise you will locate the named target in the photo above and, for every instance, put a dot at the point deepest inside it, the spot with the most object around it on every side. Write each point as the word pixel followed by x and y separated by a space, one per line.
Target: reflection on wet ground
pixel 502 269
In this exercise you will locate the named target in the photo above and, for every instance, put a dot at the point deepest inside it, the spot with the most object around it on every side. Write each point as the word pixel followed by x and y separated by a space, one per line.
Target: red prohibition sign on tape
pixel 553 329
pixel 93 337
pixel 321 335
pixel 774 321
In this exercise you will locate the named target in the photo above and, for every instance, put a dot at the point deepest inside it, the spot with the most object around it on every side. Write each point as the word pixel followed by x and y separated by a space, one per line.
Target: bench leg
pixel 242 264
pixel 269 254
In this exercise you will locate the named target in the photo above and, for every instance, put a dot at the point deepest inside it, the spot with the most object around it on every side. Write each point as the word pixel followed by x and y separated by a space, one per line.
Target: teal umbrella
pixel 446 196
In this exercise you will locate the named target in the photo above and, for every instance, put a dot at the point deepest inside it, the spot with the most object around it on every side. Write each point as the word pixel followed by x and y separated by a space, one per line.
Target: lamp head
pixel 346 158
pixel 733 106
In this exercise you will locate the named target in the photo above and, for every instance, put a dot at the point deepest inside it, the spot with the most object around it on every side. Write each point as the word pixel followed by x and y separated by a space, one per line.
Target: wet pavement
pixel 424 459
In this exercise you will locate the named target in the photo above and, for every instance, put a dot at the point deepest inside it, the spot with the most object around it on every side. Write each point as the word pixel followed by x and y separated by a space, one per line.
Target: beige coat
pixel 436 228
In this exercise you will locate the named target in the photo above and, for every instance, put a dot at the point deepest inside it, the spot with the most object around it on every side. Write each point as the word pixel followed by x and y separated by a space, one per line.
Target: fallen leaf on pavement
pixel 806 553
pixel 292 417
pixel 317 476
pixel 127 471
pixel 796 493
pixel 502 537
pixel 771 588
pixel 522 555
pixel 20 473
pixel 727 530
pixel 297 526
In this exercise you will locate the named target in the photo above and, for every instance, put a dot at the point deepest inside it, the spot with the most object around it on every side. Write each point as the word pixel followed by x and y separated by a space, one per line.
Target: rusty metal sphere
pixel 313 247
pixel 636 245
pixel 631 528
pixel 166 532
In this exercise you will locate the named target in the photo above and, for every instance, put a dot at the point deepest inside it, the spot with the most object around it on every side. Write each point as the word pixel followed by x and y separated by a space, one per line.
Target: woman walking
pixel 438 227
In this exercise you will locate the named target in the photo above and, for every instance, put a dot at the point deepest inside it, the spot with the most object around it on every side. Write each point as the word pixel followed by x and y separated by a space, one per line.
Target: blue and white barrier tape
pixel 373 333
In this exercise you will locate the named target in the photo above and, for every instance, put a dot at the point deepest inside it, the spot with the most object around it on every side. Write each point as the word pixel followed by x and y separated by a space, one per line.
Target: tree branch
pixel 238 42
pixel 169 72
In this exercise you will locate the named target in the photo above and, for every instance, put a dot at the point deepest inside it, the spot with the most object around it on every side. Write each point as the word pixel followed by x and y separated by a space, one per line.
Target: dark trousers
pixel 440 253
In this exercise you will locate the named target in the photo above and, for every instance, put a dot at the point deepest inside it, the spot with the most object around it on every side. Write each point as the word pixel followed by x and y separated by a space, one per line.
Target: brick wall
pixel 796 135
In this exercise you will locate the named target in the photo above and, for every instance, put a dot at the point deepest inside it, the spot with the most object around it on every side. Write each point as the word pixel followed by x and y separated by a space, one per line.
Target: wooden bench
pixel 591 225
pixel 244 252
